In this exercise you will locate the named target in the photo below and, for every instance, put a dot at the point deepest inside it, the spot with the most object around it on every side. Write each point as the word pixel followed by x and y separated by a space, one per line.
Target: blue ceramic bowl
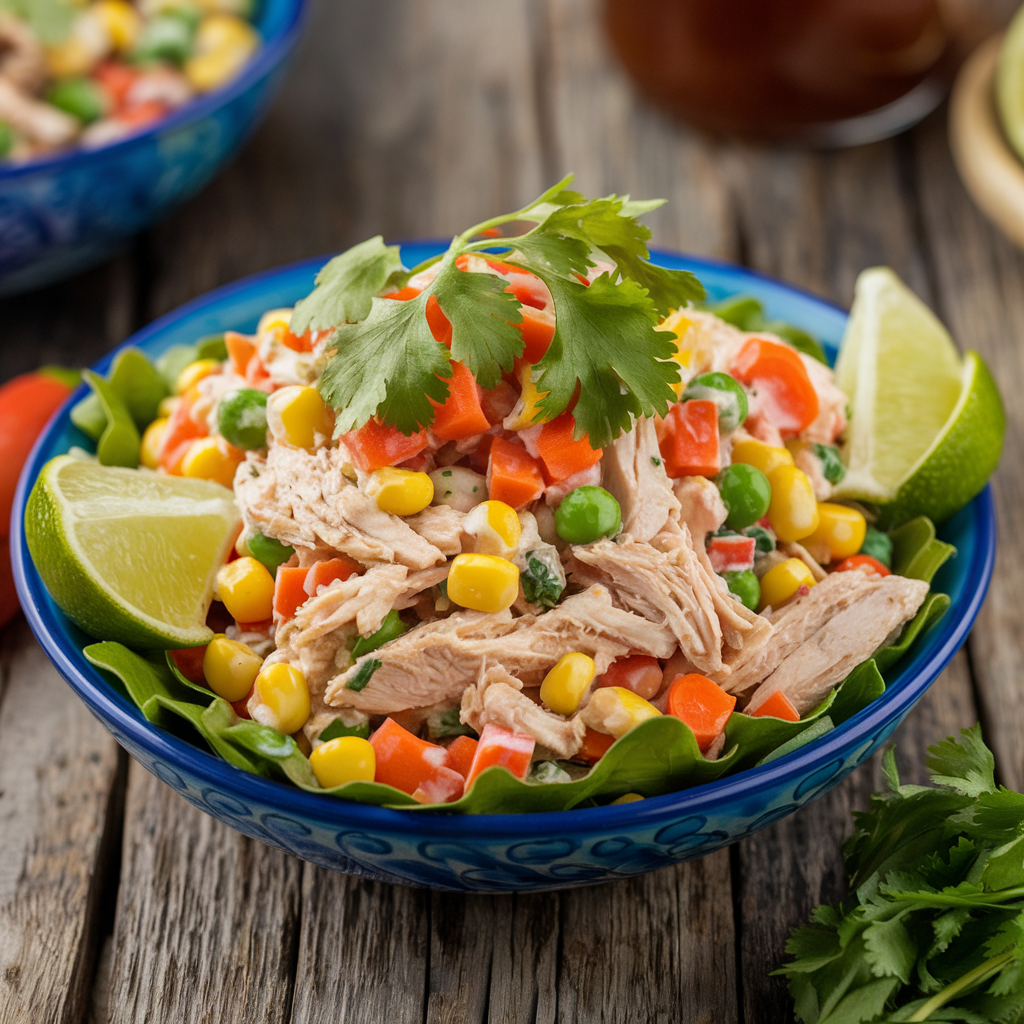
pixel 66 212
pixel 500 852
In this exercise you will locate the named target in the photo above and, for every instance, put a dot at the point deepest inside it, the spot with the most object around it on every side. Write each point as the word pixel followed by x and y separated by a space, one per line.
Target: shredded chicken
pixel 701 506
pixel 46 126
pixel 302 498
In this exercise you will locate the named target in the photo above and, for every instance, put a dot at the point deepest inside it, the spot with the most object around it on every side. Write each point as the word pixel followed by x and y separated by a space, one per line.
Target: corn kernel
pixel 71 58
pixel 525 414
pixel 224 45
pixel 793 510
pixel 206 460
pixel 344 759
pixel 296 415
pixel 230 667
pixel 782 581
pixel 495 528
pixel 152 440
pixel 679 324
pixel 275 320
pixel 616 710
pixel 760 455
pixel 401 492
pixel 482 582
pixel 568 680
pixel 246 589
pixel 840 529
pixel 194 373
pixel 282 689
pixel 121 21
pixel 219 31
pixel 167 406
pixel 628 798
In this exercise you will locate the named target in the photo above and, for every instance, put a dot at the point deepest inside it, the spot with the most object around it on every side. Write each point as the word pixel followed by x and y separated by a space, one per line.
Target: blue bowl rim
pixel 271 53
pixel 703 799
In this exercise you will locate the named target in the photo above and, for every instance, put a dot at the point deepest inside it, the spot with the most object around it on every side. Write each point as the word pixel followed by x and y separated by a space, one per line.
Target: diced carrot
pixel 189 661
pixel 690 442
pixel 513 474
pixel 640 673
pixel 777 705
pixel 777 373
pixel 595 746
pixel 181 431
pixel 320 574
pixel 116 80
pixel 864 563
pixel 563 456
pixel 538 328
pixel 375 445
pixel 732 554
pixel 289 592
pixel 421 769
pixel 440 326
pixel 297 342
pixel 703 705
pixel 502 747
pixel 240 351
pixel 461 416
pixel 142 114
pixel 461 752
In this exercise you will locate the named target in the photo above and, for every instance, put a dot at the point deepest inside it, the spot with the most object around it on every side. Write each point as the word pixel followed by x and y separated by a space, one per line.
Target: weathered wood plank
pixel 980 288
pixel 206 918
pixel 58 768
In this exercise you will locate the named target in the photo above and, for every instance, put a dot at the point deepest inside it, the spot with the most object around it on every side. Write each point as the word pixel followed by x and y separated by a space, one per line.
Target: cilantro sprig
pixel 933 928
pixel 605 352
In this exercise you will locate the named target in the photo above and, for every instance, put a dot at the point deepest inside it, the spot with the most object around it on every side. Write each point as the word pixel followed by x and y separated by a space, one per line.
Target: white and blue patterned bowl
pixel 64 213
pixel 501 853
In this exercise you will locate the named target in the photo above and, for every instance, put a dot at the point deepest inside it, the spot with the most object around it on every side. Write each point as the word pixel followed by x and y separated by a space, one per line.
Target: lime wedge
pixel 926 428
pixel 1010 84
pixel 128 554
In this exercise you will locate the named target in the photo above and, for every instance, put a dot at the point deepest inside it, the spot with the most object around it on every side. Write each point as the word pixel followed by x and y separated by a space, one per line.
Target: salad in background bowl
pixel 660 592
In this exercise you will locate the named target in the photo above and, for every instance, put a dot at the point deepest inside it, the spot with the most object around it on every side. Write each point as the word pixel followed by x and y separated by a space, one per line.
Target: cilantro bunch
pixel 933 927
pixel 605 349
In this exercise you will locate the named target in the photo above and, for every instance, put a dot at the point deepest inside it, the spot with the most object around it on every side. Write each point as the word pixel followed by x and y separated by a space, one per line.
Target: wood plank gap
pixel 539 29
pixel 736 882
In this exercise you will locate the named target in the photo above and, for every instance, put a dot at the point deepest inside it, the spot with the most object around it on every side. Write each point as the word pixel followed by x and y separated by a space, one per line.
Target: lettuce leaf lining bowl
pixel 510 851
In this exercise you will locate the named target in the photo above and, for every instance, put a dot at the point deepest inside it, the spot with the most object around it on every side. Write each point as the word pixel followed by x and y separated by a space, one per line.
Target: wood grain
pixel 57 778
pixel 207 919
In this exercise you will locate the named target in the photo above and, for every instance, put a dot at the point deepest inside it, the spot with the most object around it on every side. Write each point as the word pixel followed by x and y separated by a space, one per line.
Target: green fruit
pixel 128 554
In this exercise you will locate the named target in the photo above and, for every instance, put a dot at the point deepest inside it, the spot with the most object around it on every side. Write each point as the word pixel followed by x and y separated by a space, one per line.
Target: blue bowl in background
pixel 500 853
pixel 64 213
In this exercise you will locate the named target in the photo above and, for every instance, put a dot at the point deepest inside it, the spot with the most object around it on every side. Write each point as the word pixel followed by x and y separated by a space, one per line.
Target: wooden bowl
pixel 991 171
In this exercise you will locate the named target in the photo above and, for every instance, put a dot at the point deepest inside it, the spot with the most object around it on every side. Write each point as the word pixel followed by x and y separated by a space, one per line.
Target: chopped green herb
pixel 831 464
pixel 540 585
pixel 548 771
pixel 765 539
pixel 655 460
pixel 475 489
pixel 339 728
pixel 446 472
pixel 448 724
pixel 360 680
pixel 391 628
pixel 447 494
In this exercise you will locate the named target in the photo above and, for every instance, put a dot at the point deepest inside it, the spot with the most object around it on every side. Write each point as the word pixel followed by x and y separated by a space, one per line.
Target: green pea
pixel 746 493
pixel 726 392
pixel 82 98
pixel 878 545
pixel 587 514
pixel 167 37
pixel 746 586
pixel 391 628
pixel 6 139
pixel 269 551
pixel 832 467
pixel 242 418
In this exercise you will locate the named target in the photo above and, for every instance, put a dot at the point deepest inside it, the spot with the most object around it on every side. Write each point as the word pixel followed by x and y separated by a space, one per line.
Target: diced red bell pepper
pixel 777 705
pixel 863 563
pixel 289 592
pixel 563 456
pixel 732 554
pixel 785 393
pixel 242 706
pixel 440 326
pixel 461 752
pixel 595 746
pixel 513 474
pixel 189 661
pixel 375 445
pixel 703 705
pixel 502 747
pixel 116 79
pixel 181 431
pixel 461 416
pixel 322 573
pixel 421 769
pixel 640 673
pixel 689 443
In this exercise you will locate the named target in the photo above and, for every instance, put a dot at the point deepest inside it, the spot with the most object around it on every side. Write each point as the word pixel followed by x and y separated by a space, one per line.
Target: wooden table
pixel 119 902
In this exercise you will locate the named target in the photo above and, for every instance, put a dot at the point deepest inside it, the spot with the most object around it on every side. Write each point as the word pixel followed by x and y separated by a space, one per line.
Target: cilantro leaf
pixel 540 585
pixel 483 318
pixel 388 366
pixel 606 342
pixel 966 766
pixel 346 285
